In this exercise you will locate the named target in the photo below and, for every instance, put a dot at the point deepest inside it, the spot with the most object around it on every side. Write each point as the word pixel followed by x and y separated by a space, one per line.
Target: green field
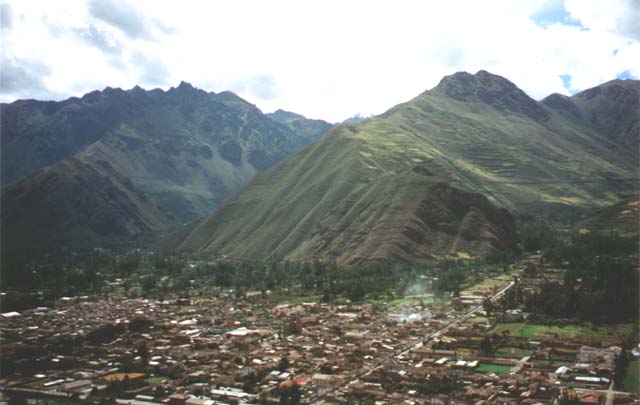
pixel 495 368
pixel 477 320
pixel 524 330
pixel 155 380
pixel 631 380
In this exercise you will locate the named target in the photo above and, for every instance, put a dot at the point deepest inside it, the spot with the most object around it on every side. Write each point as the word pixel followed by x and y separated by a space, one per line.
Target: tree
pixel 326 369
pixel 284 364
pixel 486 345
pixel 143 351
pixel 290 395
pixel 487 305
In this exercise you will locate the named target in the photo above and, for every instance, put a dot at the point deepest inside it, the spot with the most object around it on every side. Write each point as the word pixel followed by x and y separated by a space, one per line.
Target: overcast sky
pixel 324 59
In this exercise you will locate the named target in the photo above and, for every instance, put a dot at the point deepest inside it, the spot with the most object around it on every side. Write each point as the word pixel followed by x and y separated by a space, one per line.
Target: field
pixel 155 380
pixel 524 330
pixel 495 368
pixel 490 283
pixel 476 320
pixel 123 376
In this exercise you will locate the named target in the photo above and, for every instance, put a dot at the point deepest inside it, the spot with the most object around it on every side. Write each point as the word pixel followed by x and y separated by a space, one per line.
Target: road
pixel 460 319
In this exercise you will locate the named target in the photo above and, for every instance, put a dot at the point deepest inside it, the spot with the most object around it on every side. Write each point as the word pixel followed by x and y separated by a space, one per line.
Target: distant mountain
pixel 118 163
pixel 309 128
pixel 355 195
pixel 613 109
pixel 355 119
pixel 79 203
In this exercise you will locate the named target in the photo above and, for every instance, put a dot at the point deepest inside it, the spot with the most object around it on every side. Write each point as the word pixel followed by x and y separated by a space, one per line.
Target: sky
pixel 323 59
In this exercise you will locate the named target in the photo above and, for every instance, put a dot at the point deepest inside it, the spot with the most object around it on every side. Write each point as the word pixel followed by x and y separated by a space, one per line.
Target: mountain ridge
pixel 482 136
pixel 183 151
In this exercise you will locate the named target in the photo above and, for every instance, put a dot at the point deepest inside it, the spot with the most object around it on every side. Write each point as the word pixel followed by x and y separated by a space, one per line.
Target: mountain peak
pixel 493 90
pixel 470 82
pixel 281 115
pixel 185 86
pixel 561 103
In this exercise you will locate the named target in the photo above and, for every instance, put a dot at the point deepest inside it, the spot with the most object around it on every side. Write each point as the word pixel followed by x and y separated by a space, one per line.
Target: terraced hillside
pixel 473 132
pixel 622 218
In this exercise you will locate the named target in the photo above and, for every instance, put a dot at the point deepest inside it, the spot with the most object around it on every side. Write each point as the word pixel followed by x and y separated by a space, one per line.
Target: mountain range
pixel 436 176
pixel 117 165
pixel 425 178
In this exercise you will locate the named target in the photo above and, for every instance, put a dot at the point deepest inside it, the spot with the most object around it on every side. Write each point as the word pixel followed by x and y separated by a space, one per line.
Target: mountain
pixel 354 119
pixel 612 109
pixel 76 203
pixel 118 163
pixel 396 216
pixel 310 129
pixel 356 195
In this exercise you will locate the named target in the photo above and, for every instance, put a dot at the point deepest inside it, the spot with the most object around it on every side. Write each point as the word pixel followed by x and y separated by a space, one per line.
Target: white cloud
pixel 326 59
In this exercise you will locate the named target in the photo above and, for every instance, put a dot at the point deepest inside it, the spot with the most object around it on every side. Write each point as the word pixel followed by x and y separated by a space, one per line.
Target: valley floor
pixel 279 348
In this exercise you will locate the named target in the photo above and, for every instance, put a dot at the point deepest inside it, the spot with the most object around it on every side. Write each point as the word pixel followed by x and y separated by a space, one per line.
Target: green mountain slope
pixel 175 155
pixel 613 109
pixel 350 195
pixel 75 203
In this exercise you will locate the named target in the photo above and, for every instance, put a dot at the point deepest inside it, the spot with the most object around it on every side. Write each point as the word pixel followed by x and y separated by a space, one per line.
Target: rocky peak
pixel 281 115
pixel 492 90
pixel 562 104
pixel 184 86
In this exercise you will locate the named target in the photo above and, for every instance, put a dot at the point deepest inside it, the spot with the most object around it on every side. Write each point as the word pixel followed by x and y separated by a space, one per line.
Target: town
pixel 414 349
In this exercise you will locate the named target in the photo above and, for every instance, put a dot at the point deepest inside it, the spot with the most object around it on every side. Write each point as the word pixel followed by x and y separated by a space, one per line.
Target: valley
pixel 469 245
pixel 476 336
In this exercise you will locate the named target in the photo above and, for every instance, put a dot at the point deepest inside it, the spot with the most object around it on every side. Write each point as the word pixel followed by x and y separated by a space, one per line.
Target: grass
pixel 489 283
pixel 476 320
pixel 495 368
pixel 631 382
pixel 524 330
pixel 155 380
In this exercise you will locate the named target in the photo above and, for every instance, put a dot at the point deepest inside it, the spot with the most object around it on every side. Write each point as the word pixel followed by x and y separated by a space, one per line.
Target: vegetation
pixel 608 288
pixel 493 368
pixel 530 330
pixel 309 128
pixel 102 273
pixel 434 386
